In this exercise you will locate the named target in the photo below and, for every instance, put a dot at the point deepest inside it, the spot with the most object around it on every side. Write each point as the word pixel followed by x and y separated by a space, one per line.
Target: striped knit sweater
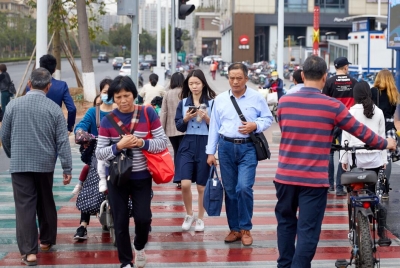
pixel 108 137
pixel 307 119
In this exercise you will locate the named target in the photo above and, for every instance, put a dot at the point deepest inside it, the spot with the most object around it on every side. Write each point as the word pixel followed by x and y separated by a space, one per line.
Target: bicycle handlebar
pixel 346 147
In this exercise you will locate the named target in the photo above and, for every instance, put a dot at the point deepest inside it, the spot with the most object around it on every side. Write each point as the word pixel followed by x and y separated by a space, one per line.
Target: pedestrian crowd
pixel 204 131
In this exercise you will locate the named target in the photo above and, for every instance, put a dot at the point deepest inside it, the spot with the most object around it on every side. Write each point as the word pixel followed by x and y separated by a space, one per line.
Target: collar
pixel 244 94
pixel 189 101
pixel 36 92
pixel 311 89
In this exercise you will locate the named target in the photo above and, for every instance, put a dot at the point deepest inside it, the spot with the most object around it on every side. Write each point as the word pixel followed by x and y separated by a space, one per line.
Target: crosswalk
pixel 170 247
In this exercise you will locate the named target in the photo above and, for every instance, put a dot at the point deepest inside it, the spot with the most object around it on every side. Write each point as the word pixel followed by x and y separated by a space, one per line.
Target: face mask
pixel 104 98
pixel 274 77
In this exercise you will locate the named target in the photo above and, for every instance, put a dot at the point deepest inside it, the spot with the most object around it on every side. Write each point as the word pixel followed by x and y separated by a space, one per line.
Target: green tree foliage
pixel 148 43
pixel 17 36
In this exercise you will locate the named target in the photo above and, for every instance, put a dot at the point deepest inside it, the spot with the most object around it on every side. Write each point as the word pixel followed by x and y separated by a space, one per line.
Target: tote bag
pixel 160 165
pixel 213 194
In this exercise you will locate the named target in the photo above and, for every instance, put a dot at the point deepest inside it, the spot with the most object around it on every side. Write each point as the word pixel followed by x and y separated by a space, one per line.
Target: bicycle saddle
pixel 358 175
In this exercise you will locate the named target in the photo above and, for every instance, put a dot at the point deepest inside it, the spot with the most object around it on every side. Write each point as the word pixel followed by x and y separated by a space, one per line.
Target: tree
pixel 120 35
pixel 148 43
pixel 89 85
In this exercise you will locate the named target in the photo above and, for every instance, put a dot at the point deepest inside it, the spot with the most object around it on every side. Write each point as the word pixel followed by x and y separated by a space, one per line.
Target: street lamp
pixel 299 38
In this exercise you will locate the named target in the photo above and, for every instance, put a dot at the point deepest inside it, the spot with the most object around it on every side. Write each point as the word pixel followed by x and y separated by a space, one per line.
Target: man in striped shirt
pixel 307 119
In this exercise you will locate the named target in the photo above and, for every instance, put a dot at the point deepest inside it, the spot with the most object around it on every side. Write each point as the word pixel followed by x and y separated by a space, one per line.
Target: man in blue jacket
pixel 59 92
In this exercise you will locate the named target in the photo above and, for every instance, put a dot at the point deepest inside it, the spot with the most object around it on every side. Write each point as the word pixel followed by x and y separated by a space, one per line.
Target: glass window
pixel 295 6
pixel 331 6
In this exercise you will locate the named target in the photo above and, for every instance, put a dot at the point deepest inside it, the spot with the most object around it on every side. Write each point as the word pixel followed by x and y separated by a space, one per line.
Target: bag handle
pixel 241 116
pixel 98 116
pixel 115 125
pixel 148 124
pixel 213 170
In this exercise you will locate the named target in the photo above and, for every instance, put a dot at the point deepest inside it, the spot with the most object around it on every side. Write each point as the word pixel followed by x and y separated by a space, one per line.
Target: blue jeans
pixel 311 203
pixel 238 163
pixel 331 174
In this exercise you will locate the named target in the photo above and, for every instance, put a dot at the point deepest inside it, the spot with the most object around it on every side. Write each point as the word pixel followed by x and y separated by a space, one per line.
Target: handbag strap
pixel 241 116
pixel 119 126
pixel 213 170
pixel 148 124
pixel 98 116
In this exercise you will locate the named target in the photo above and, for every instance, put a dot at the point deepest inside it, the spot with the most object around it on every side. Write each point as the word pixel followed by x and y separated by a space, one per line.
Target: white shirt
pixel 295 89
pixel 148 93
pixel 365 158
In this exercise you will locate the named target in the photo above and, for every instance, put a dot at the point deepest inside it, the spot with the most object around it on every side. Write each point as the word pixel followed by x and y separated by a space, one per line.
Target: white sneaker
pixel 77 189
pixel 102 186
pixel 199 226
pixel 140 258
pixel 187 223
pixel 127 266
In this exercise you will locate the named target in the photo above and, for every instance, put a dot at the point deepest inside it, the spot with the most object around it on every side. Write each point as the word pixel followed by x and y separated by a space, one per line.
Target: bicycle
pixel 363 205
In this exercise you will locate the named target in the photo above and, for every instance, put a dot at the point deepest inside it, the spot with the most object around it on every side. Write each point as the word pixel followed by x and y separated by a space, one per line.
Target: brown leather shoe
pixel 233 236
pixel 247 240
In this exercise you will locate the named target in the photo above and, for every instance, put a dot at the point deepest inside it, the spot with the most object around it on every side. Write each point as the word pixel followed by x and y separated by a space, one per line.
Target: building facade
pixel 16 8
pixel 258 24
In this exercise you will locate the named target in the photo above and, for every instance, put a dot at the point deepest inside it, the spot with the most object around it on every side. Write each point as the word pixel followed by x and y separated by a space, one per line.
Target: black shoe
pixel 385 196
pixel 81 233
pixel 331 189
pixel 341 193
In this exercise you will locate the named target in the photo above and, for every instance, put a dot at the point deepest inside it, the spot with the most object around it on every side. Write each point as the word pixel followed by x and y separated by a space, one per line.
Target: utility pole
pixel 173 52
pixel 159 70
pixel 281 28
pixel 41 30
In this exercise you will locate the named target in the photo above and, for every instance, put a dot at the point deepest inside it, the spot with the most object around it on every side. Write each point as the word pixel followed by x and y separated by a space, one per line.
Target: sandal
pixel 45 247
pixel 24 259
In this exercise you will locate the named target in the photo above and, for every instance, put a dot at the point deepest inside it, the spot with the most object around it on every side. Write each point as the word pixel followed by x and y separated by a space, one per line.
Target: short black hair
pixel 104 82
pixel 48 62
pixel 122 83
pixel 238 66
pixel 314 68
pixel 297 76
pixel 177 80
pixel 3 68
pixel 153 79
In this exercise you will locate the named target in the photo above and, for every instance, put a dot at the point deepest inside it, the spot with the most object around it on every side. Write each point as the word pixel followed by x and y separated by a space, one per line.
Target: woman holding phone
pixel 191 163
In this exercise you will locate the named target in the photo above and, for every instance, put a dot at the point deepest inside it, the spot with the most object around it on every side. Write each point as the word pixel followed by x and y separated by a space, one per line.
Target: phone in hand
pixel 193 109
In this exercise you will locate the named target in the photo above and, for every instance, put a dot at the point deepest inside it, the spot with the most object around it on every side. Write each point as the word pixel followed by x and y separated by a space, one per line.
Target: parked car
pixel 127 61
pixel 117 63
pixel 208 59
pixel 147 64
pixel 103 56
pixel 126 70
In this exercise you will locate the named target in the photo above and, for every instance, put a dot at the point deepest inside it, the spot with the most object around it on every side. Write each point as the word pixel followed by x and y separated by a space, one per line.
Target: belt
pixel 236 141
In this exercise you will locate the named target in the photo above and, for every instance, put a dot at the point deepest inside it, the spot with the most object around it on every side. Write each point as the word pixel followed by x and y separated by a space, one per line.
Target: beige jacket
pixel 168 111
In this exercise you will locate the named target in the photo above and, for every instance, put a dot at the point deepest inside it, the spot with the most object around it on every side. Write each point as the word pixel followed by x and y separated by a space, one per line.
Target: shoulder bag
pixel 259 140
pixel 213 194
pixel 121 166
pixel 160 165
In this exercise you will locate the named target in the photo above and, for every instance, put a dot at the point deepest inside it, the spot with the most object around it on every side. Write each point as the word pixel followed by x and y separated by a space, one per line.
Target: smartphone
pixel 193 109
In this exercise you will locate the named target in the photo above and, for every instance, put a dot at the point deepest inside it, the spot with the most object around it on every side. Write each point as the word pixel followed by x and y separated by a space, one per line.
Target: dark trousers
pixel 33 194
pixel 175 141
pixel 140 192
pixel 85 217
pixel 311 203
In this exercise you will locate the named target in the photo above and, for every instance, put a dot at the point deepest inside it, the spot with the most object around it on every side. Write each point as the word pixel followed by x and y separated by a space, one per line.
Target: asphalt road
pixel 102 70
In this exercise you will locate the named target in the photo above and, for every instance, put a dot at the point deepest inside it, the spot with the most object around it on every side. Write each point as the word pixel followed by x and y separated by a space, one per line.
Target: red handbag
pixel 160 165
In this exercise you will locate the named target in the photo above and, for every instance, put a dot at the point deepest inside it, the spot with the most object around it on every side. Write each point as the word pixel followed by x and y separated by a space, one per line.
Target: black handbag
pixel 259 140
pixel 121 166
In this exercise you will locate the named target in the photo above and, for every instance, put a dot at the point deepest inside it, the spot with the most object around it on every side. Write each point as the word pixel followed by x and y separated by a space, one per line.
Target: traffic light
pixel 178 41
pixel 184 10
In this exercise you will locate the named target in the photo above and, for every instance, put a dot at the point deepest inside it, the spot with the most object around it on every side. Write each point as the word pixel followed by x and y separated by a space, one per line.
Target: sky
pixel 111 5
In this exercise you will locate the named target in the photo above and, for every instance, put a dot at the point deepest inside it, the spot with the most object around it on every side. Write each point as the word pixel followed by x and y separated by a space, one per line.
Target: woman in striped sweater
pixel 109 145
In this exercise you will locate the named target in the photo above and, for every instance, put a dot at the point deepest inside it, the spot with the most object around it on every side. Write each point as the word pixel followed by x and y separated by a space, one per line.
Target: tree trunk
pixel 89 86
pixel 57 53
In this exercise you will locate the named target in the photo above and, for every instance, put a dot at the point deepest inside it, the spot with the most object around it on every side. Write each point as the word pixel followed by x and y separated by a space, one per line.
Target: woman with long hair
pixel 151 90
pixel 192 158
pixel 168 111
pixel 386 97
pixel 366 112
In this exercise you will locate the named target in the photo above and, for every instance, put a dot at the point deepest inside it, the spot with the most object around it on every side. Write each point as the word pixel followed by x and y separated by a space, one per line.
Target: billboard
pixel 393 29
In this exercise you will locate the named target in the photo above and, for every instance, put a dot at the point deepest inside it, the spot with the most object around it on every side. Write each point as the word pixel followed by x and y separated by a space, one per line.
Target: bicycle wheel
pixel 365 258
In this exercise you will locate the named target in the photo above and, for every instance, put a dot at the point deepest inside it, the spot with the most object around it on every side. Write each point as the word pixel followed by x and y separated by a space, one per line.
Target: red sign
pixel 244 39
